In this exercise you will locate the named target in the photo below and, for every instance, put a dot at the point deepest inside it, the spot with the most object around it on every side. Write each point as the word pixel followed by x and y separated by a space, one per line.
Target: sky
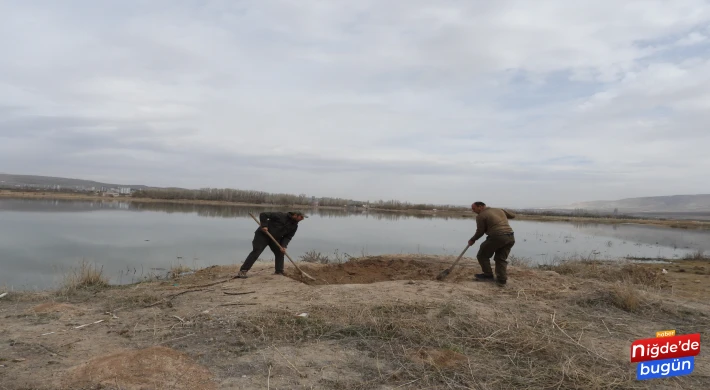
pixel 514 103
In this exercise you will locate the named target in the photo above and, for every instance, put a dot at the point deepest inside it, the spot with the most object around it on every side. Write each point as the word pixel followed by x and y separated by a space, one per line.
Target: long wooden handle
pixel 460 256
pixel 280 247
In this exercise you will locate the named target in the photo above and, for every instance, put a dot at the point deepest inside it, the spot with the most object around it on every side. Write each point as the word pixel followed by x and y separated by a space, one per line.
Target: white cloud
pixel 521 103
pixel 691 39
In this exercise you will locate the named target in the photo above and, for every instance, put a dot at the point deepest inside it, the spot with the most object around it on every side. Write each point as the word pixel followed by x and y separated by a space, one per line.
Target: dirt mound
pixel 150 368
pixel 441 358
pixel 54 307
pixel 381 269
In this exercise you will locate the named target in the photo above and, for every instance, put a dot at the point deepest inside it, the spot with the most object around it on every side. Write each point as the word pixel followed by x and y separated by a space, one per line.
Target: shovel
pixel 280 247
pixel 447 271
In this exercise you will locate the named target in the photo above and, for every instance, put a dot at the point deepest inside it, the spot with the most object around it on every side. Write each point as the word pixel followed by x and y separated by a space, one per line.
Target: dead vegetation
pixel 86 277
pixel 697 255
pixel 315 257
pixel 610 271
pixel 565 327
pixel 519 261
pixel 177 269
pixel 453 346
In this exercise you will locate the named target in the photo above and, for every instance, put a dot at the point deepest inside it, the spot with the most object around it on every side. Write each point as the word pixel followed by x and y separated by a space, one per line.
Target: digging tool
pixel 447 271
pixel 280 247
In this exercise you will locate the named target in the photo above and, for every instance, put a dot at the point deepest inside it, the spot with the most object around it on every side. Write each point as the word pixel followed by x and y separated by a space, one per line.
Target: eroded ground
pixel 372 323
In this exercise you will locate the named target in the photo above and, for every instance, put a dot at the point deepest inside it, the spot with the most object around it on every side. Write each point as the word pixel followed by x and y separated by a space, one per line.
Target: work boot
pixel 500 282
pixel 279 273
pixel 483 277
pixel 242 275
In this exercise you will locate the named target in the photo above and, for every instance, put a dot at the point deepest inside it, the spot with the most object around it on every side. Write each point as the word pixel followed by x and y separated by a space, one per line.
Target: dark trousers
pixel 498 246
pixel 260 242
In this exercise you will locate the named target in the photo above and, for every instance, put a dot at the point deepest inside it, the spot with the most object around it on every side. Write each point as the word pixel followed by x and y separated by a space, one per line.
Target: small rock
pixel 302 315
pixel 410 282
pixel 18 360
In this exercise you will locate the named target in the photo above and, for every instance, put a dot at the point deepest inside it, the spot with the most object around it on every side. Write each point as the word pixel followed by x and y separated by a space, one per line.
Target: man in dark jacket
pixel 494 223
pixel 282 227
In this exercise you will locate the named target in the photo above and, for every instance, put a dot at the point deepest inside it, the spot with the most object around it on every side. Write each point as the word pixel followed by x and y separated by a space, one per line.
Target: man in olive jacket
pixel 500 240
pixel 282 227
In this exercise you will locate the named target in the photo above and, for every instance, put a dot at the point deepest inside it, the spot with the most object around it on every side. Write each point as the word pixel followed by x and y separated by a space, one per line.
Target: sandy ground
pixel 375 323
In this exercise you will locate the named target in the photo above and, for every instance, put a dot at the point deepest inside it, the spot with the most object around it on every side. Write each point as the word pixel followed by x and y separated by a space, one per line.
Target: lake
pixel 41 239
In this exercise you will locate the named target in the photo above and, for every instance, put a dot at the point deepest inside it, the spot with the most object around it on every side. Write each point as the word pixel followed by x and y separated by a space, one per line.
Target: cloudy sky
pixel 516 103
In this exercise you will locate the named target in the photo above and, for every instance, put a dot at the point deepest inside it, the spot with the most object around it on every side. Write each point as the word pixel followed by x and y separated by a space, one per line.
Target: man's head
pixel 297 216
pixel 477 207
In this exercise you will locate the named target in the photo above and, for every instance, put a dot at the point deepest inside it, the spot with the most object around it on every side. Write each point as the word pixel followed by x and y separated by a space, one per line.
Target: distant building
pixel 124 190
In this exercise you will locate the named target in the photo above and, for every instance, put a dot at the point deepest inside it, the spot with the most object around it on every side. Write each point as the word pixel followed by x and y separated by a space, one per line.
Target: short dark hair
pixel 479 203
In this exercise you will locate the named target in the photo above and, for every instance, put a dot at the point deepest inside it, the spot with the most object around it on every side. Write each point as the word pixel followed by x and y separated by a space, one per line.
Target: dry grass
pixel 622 296
pixel 522 262
pixel 613 271
pixel 86 276
pixel 561 332
pixel 697 255
pixel 511 351
pixel 314 257
pixel 177 269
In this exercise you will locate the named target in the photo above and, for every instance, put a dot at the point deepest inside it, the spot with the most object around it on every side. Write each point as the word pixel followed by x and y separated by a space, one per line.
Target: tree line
pixel 262 197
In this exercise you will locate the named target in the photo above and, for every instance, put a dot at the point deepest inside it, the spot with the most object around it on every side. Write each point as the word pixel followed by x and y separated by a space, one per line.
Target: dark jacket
pixel 280 225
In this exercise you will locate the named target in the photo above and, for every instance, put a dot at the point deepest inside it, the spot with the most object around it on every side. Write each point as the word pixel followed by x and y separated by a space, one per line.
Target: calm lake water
pixel 41 239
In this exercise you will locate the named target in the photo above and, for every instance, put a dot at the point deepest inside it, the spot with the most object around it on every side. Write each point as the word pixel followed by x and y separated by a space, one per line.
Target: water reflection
pixel 226 211
pixel 202 210
pixel 39 238
pixel 60 205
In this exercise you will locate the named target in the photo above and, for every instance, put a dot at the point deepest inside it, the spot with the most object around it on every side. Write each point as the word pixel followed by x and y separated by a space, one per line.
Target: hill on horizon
pixel 649 204
pixel 13 180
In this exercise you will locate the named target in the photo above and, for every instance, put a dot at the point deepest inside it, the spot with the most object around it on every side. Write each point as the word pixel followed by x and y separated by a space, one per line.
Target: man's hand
pixel 471 242
pixel 283 249
pixel 265 229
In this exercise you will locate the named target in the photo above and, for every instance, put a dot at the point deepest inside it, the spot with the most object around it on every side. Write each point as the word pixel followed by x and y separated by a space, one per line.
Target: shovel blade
pixel 443 274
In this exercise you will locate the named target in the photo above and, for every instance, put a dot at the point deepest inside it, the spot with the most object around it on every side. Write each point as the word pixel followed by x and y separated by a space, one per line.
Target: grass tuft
pixel 610 271
pixel 315 257
pixel 177 269
pixel 621 296
pixel 697 255
pixel 87 276
pixel 521 262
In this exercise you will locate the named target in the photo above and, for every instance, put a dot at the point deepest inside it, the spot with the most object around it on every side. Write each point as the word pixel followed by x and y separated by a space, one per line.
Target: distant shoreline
pixel 671 223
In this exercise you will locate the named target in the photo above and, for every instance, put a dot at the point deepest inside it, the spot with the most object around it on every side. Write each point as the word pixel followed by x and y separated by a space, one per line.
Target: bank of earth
pixel 380 322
